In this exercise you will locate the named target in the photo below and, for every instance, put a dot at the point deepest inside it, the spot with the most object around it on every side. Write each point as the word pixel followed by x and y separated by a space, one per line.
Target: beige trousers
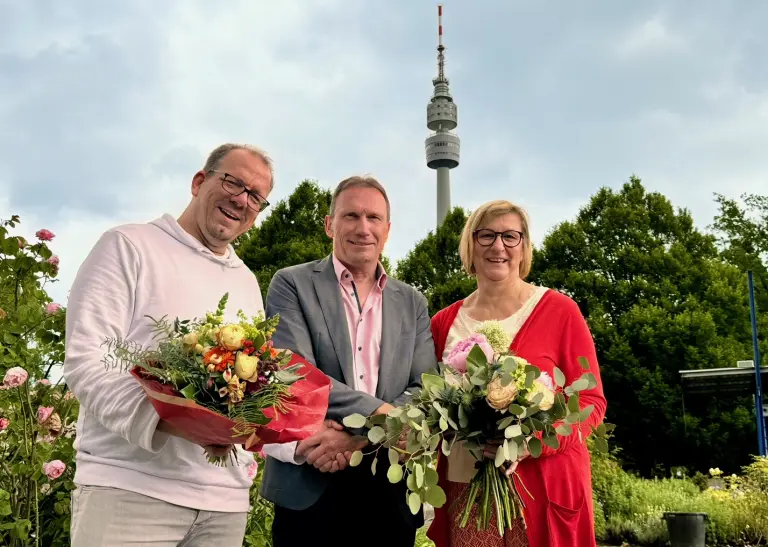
pixel 108 517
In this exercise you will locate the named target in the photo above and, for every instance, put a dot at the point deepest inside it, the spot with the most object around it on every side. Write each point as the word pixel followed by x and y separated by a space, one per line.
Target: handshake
pixel 330 449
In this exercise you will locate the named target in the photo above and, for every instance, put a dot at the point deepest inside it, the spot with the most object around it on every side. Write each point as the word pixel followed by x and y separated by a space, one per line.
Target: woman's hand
pixel 489 452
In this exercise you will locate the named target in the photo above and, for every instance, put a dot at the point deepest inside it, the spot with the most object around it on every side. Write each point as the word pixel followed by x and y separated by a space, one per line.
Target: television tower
pixel 442 146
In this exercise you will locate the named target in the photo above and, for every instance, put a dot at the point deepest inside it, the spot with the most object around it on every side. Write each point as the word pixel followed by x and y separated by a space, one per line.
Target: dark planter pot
pixel 686 529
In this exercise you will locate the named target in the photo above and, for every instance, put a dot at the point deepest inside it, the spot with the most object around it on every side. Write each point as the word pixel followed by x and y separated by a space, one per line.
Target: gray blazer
pixel 314 325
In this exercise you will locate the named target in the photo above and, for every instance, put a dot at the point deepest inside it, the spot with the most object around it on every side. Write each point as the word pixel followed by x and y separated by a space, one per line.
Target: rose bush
pixel 36 418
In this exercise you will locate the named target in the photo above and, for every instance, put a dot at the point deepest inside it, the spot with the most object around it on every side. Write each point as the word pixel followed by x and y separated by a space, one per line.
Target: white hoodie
pixel 138 270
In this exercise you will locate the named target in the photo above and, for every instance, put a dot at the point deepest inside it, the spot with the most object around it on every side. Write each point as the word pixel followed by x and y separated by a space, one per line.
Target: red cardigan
pixel 560 511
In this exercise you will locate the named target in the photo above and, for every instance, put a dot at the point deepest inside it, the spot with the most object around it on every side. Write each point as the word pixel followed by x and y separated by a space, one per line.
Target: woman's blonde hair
pixel 481 215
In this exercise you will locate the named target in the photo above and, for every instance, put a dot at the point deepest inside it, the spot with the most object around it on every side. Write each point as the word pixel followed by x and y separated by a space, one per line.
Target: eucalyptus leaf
pixel 376 434
pixel 463 418
pixel 446 447
pixel 584 362
pixel 418 470
pixel 395 412
pixel 586 411
pixel 573 404
pixel 512 450
pixel 354 421
pixel 443 424
pixel 410 482
pixel 506 422
pixel 535 447
pixel 435 496
pixel 356 459
pixel 551 441
pixel 431 477
pixel 477 357
pixel 513 431
pixel 500 456
pixel 415 413
pixel 414 502
pixel 517 410
pixel 580 385
pixel 395 473
pixel 394 456
pixel 591 380
pixel 564 430
pixel 374 465
pixel 559 377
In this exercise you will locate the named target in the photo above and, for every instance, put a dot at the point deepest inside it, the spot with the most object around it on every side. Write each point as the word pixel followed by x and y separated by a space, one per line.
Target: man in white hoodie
pixel 139 481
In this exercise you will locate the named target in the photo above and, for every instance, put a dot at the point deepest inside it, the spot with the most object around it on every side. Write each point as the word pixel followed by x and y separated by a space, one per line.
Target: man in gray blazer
pixel 371 335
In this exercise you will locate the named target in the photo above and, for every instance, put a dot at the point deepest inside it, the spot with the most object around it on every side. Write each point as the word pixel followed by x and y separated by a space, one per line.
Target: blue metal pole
pixel 761 434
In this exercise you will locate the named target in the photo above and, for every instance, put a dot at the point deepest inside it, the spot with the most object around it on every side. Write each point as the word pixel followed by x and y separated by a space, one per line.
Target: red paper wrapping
pixel 305 412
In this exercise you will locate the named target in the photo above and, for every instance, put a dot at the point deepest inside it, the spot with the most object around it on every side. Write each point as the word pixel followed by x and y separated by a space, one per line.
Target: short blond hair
pixel 486 212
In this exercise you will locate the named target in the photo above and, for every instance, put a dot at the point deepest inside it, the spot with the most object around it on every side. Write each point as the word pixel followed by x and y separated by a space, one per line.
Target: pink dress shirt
pixel 364 321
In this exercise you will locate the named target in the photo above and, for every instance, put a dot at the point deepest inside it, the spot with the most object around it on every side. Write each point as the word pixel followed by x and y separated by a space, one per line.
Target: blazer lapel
pixel 327 290
pixel 390 339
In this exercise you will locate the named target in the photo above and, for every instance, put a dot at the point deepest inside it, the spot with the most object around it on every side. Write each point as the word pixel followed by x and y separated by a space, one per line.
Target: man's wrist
pixel 384 409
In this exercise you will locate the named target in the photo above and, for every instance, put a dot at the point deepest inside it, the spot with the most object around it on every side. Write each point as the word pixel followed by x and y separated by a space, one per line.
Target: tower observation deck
pixel 442 146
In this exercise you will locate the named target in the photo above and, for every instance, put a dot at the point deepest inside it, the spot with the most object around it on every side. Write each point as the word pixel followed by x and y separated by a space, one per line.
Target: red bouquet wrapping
pixel 224 383
pixel 306 409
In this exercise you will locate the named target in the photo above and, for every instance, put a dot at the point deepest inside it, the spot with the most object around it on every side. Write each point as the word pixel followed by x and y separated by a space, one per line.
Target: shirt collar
pixel 343 274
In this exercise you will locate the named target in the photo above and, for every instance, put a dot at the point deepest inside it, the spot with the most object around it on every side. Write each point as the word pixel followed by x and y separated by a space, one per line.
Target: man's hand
pixel 384 409
pixel 330 449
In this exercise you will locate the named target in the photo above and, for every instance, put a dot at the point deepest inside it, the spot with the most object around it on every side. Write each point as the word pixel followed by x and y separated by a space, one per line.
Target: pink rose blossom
pixel 15 377
pixel 44 382
pixel 4 423
pixel 53 470
pixel 54 260
pixel 458 356
pixel 52 308
pixel 43 413
pixel 44 235
pixel 253 469
pixel 546 380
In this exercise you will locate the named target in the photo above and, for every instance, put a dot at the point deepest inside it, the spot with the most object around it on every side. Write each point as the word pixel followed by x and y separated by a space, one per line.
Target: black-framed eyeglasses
pixel 486 238
pixel 236 187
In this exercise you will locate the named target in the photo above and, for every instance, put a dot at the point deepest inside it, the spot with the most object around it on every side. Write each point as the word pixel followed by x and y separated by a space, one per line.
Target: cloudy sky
pixel 108 108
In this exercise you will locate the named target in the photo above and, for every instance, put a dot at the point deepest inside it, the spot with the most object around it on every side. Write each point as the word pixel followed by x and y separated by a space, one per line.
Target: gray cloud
pixel 107 111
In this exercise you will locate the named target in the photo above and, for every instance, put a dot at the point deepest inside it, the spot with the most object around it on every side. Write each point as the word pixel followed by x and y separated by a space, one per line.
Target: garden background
pixel 659 294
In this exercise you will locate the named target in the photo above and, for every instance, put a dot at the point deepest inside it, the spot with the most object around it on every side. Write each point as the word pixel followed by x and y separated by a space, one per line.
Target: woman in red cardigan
pixel 548 330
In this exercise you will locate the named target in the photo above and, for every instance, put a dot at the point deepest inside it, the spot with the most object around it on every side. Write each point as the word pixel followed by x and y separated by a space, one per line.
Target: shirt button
pixel 361 376
pixel 359 348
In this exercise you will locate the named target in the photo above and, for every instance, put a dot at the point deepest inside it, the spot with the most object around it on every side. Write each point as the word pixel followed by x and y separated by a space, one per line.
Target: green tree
pixel 293 233
pixel 433 266
pixel 743 234
pixel 658 300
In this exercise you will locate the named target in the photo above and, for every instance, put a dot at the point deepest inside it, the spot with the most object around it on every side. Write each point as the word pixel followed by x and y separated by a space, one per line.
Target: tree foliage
pixel 743 234
pixel 293 233
pixel 658 300
pixel 433 265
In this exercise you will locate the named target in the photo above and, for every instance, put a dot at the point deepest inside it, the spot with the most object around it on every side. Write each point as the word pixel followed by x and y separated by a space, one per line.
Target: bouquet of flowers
pixel 480 395
pixel 224 383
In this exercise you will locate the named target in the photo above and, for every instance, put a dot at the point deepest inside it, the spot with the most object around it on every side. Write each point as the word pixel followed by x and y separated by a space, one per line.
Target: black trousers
pixel 357 509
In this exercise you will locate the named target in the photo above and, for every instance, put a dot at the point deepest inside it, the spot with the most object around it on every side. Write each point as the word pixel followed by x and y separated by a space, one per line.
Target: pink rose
pixel 44 382
pixel 43 413
pixel 546 380
pixel 44 235
pixel 54 260
pixel 15 377
pixel 458 356
pixel 53 470
pixel 253 469
pixel 52 308
pixel 4 423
